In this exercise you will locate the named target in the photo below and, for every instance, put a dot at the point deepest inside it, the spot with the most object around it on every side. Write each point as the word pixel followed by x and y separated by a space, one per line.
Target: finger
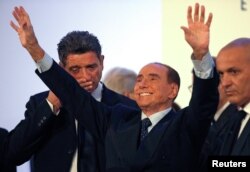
pixel 18 16
pixel 14 26
pixel 189 16
pixel 202 17
pixel 196 12
pixel 209 20
pixel 186 31
pixel 25 15
pixel 15 15
pixel 87 84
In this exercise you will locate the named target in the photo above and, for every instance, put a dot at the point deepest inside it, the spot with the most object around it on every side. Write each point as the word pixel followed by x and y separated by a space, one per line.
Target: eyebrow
pixel 74 66
pixel 151 75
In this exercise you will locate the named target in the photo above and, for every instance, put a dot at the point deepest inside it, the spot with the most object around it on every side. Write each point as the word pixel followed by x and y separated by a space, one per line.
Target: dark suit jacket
pixel 215 136
pixel 242 146
pixel 3 139
pixel 16 146
pixel 55 151
pixel 172 145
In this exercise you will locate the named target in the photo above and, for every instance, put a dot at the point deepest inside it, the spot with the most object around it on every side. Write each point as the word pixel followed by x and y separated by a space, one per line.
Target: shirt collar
pixel 97 93
pixel 219 111
pixel 156 117
pixel 247 108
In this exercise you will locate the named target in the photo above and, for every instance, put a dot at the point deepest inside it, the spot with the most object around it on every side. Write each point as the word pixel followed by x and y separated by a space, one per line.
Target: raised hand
pixel 198 31
pixel 26 33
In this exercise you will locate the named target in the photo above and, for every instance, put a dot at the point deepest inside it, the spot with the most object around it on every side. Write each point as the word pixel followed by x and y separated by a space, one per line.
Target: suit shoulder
pixel 3 132
pixel 112 98
pixel 39 96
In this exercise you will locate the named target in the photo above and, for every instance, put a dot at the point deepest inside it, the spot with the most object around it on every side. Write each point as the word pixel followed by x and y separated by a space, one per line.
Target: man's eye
pixel 138 80
pixel 92 67
pixel 234 72
pixel 74 70
pixel 153 78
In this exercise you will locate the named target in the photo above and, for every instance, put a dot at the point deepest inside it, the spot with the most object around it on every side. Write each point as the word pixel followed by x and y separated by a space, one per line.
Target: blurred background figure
pixel 121 80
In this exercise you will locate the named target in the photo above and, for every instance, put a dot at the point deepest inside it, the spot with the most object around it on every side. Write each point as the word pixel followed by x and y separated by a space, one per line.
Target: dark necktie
pixel 145 123
pixel 86 151
pixel 240 116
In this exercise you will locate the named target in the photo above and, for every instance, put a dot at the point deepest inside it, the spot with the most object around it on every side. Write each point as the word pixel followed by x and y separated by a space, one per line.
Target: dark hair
pixel 172 74
pixel 78 42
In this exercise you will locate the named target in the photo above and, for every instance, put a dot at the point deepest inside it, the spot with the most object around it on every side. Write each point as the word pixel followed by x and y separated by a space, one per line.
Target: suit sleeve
pixel 93 115
pixel 202 107
pixel 22 142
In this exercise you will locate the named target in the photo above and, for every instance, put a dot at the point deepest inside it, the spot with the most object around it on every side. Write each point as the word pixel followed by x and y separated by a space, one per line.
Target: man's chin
pixel 88 90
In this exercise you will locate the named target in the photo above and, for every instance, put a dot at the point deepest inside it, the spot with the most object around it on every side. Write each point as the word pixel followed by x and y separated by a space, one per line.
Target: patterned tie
pixel 145 123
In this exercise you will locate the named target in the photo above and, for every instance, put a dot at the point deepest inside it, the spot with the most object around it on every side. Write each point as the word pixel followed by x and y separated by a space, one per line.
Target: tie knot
pixel 242 114
pixel 146 123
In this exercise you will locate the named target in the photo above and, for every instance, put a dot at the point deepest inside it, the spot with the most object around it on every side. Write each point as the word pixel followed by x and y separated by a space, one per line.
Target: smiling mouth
pixel 145 94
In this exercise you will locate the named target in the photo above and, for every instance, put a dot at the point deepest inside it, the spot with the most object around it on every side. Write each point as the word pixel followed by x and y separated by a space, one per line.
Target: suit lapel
pixel 229 139
pixel 126 139
pixel 241 140
pixel 152 140
pixel 108 97
pixel 225 117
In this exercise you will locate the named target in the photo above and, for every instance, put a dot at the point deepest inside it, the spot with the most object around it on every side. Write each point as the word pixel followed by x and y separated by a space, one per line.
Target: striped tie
pixel 145 123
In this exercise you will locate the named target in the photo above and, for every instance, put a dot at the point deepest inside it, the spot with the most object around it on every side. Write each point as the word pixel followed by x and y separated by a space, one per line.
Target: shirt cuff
pixel 52 107
pixel 45 63
pixel 204 68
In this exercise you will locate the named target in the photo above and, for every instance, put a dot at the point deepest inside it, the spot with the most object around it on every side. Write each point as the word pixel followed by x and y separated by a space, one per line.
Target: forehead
pixel 233 56
pixel 153 69
pixel 84 58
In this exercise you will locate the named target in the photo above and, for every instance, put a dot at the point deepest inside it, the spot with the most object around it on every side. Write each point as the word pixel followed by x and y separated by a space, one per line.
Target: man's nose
pixel 225 80
pixel 85 74
pixel 143 83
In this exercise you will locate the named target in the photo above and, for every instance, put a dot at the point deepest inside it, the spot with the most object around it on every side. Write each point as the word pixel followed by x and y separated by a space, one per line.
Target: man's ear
pixel 175 90
pixel 101 61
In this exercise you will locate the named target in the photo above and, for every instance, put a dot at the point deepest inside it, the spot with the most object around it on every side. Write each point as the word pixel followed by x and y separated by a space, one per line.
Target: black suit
pixel 17 146
pixel 172 145
pixel 3 139
pixel 242 146
pixel 216 134
pixel 55 151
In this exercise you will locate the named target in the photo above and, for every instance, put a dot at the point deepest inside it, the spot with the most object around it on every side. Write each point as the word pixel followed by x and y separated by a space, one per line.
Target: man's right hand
pixel 198 31
pixel 26 33
pixel 53 99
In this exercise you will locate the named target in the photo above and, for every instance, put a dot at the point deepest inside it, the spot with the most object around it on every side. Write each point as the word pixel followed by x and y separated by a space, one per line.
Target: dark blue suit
pixel 215 136
pixel 17 146
pixel 3 139
pixel 55 151
pixel 242 146
pixel 172 145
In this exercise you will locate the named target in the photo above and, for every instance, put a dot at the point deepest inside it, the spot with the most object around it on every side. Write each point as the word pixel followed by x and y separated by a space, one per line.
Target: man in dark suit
pixel 68 147
pixel 212 145
pixel 16 146
pixel 233 65
pixel 174 140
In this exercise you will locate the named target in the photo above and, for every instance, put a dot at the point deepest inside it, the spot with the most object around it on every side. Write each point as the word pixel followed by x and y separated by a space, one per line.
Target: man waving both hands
pixel 167 141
